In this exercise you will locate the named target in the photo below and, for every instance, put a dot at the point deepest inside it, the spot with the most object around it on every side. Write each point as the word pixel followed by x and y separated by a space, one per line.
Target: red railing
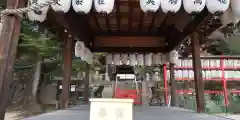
pixel 222 78
pixel 120 93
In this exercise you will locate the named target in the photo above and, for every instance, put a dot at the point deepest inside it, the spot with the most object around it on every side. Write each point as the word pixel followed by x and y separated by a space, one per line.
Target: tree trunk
pixel 36 79
pixel 86 84
pixel 38 94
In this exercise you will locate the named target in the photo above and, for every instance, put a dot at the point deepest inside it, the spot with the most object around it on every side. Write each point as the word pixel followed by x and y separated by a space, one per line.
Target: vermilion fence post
pixel 165 84
pixel 224 84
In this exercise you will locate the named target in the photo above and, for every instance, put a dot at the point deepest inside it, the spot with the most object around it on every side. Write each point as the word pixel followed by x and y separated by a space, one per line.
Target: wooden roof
pixel 127 28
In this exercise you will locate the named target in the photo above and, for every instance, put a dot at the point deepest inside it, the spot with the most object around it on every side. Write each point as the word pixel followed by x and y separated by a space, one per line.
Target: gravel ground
pixel 140 113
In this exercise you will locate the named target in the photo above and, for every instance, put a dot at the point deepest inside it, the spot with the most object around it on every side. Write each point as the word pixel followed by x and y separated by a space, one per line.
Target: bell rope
pixel 20 11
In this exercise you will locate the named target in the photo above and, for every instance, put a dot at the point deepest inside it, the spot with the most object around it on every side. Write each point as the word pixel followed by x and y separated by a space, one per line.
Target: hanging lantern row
pixel 106 6
pixel 80 6
pixel 136 59
pixel 190 6
pixel 83 52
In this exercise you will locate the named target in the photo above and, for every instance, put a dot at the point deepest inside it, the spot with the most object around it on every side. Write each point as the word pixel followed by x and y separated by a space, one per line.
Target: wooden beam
pixel 75 24
pixel 129 49
pixel 67 68
pixel 199 84
pixel 129 41
pixel 141 22
pixel 175 41
pixel 8 47
pixel 126 33
pixel 118 16
pixel 130 15
pixel 152 23
pixel 108 23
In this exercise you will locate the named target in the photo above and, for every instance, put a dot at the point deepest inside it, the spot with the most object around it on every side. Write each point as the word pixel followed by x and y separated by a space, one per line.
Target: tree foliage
pixel 35 43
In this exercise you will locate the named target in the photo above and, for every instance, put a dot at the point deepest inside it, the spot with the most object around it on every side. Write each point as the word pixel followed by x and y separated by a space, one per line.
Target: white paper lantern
pixel 230 63
pixel 173 56
pixel 79 49
pixel 179 74
pixel 104 6
pixel 165 59
pixel 132 59
pixel 179 63
pixel 148 59
pixel 171 5
pixel 208 74
pixel 96 76
pixel 213 74
pixel 184 63
pixel 124 59
pixel 62 6
pixel 219 73
pixel 37 15
pixel 140 59
pixel 237 63
pixel 109 59
pixel 217 6
pixel 168 74
pixel 82 6
pixel 236 74
pixel 194 6
pixel 156 76
pixel 227 74
pixel 227 17
pixel 203 74
pixel 206 63
pixel 191 74
pixel 212 63
pixel 116 59
pixel 235 4
pixel 185 74
pixel 88 56
pixel 157 59
pixel 150 5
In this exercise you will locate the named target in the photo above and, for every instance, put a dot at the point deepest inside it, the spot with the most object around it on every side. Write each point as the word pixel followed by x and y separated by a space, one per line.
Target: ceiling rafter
pixel 130 14
pixel 194 25
pixel 141 22
pixel 67 22
pixel 152 23
pixel 118 18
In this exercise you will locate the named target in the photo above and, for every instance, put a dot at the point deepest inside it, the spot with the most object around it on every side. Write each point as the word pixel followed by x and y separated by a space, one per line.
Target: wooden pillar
pixel 8 46
pixel 86 84
pixel 58 95
pixel 165 84
pixel 199 84
pixel 67 68
pixel 173 85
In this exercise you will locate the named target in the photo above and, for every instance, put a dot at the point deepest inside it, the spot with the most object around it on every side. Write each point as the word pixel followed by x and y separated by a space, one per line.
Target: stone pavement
pixel 231 116
pixel 140 113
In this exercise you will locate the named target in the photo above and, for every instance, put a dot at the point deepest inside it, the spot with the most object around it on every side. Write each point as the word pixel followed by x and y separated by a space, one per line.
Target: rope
pixel 19 11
